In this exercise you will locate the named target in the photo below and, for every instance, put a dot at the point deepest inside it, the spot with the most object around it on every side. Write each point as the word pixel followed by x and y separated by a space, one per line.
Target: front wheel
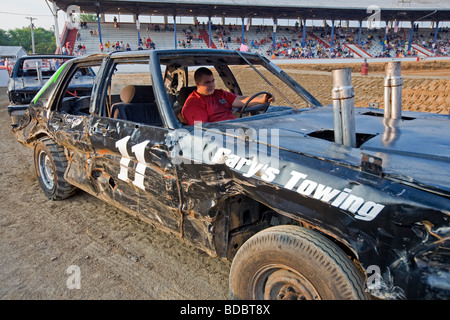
pixel 50 164
pixel 293 263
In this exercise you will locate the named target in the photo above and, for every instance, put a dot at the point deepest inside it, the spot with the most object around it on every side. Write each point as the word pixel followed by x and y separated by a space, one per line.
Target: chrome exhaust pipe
pixel 343 107
pixel 393 91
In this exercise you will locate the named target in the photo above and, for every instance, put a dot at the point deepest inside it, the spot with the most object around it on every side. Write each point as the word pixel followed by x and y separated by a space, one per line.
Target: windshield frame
pixel 184 58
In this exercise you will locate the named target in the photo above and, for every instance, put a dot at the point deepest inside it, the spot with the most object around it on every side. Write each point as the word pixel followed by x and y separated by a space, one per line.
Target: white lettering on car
pixel 139 151
pixel 342 199
pixel 366 211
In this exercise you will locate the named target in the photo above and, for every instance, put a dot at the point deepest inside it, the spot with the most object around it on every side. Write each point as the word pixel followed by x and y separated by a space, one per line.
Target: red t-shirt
pixel 212 108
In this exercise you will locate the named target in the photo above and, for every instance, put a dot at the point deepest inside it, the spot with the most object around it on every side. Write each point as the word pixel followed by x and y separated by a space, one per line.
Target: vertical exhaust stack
pixel 343 107
pixel 393 91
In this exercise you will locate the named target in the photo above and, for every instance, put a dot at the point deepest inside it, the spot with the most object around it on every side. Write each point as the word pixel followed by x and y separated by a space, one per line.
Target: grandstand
pixel 312 41
pixel 316 43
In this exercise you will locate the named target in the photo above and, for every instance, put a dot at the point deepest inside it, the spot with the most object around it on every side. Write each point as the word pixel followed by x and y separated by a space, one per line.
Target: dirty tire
pixel 50 164
pixel 290 263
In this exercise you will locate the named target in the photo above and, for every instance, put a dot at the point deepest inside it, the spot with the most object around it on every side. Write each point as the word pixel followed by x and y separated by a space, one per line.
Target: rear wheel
pixel 50 164
pixel 293 263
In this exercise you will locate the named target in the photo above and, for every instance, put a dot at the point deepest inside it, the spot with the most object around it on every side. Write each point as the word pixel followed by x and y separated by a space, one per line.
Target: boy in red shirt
pixel 208 104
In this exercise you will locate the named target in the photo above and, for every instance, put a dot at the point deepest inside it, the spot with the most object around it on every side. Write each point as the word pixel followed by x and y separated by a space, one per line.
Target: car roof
pixel 46 56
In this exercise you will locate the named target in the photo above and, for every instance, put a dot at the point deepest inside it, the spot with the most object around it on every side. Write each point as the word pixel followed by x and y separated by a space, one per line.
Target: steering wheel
pixel 262 107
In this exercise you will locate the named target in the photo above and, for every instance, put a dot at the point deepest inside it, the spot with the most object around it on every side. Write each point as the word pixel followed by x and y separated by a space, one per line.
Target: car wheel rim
pixel 279 282
pixel 46 170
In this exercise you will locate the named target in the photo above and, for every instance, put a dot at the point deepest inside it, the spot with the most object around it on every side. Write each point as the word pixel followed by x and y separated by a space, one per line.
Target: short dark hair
pixel 200 72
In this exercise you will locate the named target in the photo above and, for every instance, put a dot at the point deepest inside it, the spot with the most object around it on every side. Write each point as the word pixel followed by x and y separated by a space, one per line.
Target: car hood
pixel 414 150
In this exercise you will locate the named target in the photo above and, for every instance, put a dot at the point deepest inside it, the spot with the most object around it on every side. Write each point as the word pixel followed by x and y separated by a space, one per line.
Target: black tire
pixel 290 263
pixel 50 164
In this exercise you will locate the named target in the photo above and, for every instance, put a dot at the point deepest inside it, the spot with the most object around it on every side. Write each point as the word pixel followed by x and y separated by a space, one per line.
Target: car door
pixel 131 159
pixel 133 167
pixel 68 120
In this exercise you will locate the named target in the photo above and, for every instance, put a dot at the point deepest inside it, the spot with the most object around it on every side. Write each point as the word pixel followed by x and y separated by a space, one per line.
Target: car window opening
pixel 76 98
pixel 130 95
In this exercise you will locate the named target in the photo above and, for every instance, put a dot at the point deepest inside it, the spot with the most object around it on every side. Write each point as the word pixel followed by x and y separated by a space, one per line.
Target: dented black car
pixel 30 73
pixel 302 215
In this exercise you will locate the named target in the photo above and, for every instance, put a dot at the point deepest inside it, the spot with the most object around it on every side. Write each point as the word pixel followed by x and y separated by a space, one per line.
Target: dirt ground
pixel 426 84
pixel 45 244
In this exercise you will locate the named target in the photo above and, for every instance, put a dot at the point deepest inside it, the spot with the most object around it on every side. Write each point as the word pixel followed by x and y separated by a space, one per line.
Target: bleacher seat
pixel 127 34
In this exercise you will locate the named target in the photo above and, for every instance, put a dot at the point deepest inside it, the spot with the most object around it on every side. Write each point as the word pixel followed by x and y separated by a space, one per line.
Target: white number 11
pixel 138 151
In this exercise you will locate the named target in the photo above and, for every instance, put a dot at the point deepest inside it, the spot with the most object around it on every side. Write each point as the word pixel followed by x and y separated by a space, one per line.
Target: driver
pixel 208 104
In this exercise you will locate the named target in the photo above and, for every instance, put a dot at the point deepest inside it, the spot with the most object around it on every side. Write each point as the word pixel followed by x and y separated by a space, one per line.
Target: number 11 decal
pixel 141 165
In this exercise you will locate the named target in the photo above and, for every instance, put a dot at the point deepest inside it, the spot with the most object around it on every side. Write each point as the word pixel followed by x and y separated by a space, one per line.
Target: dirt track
pixel 426 85
pixel 120 257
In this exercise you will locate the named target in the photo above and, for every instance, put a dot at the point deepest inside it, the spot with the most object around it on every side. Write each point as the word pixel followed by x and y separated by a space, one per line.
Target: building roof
pixel 12 51
pixel 402 10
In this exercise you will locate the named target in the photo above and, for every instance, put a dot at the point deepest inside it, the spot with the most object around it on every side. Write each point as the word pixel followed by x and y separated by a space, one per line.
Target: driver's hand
pixel 269 98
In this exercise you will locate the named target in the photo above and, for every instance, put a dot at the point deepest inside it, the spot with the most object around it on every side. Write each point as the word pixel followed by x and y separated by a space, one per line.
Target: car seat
pixel 137 105
pixel 183 94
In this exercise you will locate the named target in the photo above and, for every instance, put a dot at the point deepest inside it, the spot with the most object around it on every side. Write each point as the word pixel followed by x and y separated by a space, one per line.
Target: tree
pixel 5 38
pixel 44 39
pixel 88 17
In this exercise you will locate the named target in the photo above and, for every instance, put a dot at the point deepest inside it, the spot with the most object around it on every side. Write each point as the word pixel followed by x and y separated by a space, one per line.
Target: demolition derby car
pixel 30 73
pixel 302 213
